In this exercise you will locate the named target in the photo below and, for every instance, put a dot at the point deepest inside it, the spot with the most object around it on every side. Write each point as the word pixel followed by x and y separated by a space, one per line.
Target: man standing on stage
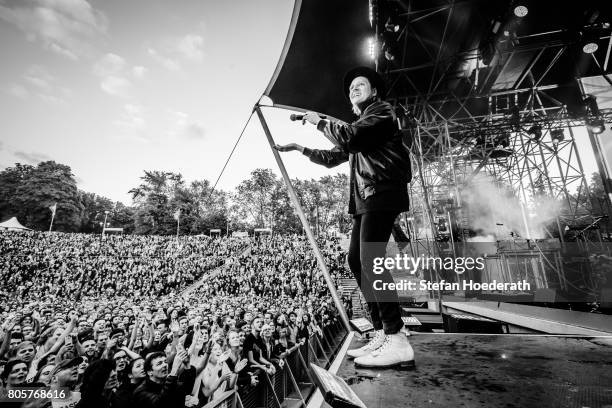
pixel 380 172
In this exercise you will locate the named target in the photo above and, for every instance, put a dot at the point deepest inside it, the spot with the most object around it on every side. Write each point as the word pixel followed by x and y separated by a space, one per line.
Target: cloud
pixel 172 50
pixel 186 128
pixel 191 47
pixel 1 145
pixel 51 99
pixel 58 49
pixel 37 81
pixel 18 91
pixel 32 158
pixel 109 64
pixel 39 77
pixel 64 27
pixel 132 121
pixel 116 86
pixel 112 70
pixel 134 115
pixel 166 62
pixel 193 130
pixel 139 71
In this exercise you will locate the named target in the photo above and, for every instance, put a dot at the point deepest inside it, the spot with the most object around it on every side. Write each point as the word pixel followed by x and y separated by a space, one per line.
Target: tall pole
pixel 52 218
pixel 104 227
pixel 178 224
pixel 304 221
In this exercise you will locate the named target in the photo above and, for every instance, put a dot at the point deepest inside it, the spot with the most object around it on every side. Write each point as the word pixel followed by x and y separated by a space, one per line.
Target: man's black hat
pixel 374 77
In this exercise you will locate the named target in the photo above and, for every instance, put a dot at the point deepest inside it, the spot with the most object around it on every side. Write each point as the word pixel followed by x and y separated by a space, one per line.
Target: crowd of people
pixel 107 323
pixel 69 266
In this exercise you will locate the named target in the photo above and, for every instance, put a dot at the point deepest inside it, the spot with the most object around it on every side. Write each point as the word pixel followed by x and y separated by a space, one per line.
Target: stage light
pixel 590 103
pixel 596 125
pixel 557 135
pixel 391 26
pixel 372 48
pixel 521 11
pixel 590 47
pixel 594 122
pixel 389 55
pixel 389 46
pixel 371 13
pixel 535 132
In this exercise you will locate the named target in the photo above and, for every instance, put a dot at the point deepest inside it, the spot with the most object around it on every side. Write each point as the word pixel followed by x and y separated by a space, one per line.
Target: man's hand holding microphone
pixel 310 117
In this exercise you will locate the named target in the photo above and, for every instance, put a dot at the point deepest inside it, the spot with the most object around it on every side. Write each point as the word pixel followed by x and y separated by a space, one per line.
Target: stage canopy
pixel 12 225
pixel 325 40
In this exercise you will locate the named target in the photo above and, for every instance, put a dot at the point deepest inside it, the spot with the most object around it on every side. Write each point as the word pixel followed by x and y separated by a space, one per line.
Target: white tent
pixel 12 225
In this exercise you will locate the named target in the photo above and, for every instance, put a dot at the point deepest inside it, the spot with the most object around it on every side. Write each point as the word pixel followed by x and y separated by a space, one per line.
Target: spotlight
pixel 590 102
pixel 391 26
pixel 535 132
pixel 557 136
pixel 588 41
pixel 372 48
pixel 590 47
pixel 596 125
pixel 389 55
pixel 521 11
pixel 389 46
pixel 594 121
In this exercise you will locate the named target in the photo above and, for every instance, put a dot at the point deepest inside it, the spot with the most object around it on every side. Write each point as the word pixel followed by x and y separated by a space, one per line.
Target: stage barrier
pixel 291 385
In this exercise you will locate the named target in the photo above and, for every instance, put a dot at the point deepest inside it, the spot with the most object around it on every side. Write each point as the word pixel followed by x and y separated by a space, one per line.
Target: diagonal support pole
pixel 300 212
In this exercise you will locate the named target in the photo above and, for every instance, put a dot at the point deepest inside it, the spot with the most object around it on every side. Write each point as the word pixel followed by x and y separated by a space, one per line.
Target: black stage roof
pixel 435 48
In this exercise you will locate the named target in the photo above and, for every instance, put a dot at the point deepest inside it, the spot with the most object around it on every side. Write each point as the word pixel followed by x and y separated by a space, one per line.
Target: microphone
pixel 293 117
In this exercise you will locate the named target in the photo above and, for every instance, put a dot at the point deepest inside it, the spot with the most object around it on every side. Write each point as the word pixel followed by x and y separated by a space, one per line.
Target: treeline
pixel 27 192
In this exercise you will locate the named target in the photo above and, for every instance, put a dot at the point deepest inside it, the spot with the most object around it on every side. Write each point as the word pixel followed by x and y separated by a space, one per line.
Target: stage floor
pixel 466 370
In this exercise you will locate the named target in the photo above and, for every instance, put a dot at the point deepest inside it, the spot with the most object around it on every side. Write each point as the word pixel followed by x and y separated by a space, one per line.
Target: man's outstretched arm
pixel 328 158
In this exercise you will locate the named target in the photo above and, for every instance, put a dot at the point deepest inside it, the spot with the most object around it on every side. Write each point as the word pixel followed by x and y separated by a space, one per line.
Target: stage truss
pixel 480 125
pixel 473 129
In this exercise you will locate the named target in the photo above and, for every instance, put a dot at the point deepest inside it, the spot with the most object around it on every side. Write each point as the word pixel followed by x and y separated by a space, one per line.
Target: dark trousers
pixel 369 239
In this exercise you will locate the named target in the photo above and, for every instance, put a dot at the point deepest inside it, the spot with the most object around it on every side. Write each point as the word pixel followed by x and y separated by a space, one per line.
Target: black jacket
pixel 150 394
pixel 373 145
pixel 124 395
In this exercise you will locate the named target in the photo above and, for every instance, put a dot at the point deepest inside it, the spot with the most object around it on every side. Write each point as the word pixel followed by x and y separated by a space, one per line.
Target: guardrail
pixel 291 385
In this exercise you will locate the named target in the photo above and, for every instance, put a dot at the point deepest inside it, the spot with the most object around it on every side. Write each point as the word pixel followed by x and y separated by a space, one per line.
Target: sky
pixel 112 88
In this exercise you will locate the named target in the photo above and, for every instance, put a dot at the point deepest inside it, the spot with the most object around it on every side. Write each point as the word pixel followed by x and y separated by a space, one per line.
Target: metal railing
pixel 293 382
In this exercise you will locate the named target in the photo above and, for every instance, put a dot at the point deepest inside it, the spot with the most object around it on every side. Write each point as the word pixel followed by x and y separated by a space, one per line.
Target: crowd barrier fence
pixel 292 385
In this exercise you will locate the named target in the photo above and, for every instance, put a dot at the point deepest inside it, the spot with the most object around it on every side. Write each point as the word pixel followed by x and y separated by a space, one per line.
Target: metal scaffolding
pixel 501 110
pixel 481 122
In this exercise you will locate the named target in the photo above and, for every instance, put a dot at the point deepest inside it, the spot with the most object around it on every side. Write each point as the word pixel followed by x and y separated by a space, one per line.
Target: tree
pixel 283 213
pixel 45 185
pixel 153 198
pixel 255 197
pixel 203 208
pixel 94 207
pixel 162 194
pixel 309 194
pixel 334 199
pixel 10 179
pixel 123 217
pixel 600 202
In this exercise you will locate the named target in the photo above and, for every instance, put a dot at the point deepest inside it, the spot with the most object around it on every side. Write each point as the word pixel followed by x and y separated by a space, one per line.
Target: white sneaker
pixel 372 345
pixel 396 351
